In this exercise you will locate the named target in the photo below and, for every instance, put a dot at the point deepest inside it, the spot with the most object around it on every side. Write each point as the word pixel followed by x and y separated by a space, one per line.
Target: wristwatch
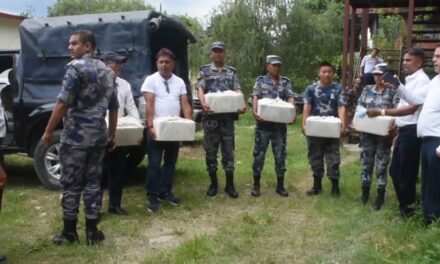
pixel 382 112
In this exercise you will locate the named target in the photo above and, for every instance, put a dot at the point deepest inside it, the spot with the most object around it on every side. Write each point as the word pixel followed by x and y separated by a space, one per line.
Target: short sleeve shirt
pixel 265 88
pixel 371 98
pixel 212 79
pixel 89 90
pixel 369 62
pixel 325 100
pixel 165 103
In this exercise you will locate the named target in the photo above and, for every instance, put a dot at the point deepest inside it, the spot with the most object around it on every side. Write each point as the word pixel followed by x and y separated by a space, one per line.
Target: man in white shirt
pixel 165 95
pixel 367 65
pixel 406 154
pixel 117 159
pixel 428 128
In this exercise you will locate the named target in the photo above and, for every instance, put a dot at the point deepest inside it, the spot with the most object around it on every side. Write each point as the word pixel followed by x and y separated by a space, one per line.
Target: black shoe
pixel 68 234
pixel 230 190
pixel 335 188
pixel 2 258
pixel 317 187
pixel 380 198
pixel 282 192
pixel 117 210
pixel 406 212
pixel 256 191
pixel 212 190
pixel 365 194
pixel 93 235
pixel 280 187
pixel 171 198
pixel 153 207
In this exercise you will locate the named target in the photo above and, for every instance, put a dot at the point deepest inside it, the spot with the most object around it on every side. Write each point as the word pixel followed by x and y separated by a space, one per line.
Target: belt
pixel 426 139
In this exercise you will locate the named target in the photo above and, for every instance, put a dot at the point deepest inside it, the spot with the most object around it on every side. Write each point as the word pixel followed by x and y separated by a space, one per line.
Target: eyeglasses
pixel 166 85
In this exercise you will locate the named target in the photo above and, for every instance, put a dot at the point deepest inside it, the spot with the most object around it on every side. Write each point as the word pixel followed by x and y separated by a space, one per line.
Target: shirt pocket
pixel 211 83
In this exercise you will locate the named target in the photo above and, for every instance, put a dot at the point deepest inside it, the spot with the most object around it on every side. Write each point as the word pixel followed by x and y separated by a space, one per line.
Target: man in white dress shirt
pixel 117 159
pixel 367 65
pixel 406 153
pixel 428 128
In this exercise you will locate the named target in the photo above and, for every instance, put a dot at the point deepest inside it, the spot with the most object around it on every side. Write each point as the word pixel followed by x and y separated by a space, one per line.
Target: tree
pixel 79 7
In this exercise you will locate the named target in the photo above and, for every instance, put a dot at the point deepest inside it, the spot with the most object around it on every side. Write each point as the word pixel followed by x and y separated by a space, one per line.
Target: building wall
pixel 9 34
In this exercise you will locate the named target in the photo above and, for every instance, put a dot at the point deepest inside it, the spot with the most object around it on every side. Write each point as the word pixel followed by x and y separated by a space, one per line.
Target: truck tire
pixel 47 162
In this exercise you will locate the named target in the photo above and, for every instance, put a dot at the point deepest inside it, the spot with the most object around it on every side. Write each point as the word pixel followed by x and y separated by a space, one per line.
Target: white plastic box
pixel 174 129
pixel 376 125
pixel 225 102
pixel 129 131
pixel 276 110
pixel 323 126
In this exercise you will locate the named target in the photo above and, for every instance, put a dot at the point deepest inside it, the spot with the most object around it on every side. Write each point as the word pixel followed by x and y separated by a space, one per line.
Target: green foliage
pixel 302 32
pixel 391 27
pixel 79 7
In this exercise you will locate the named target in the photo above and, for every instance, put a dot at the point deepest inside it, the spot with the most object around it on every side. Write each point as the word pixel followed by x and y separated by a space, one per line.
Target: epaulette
pixel 260 77
pixel 72 62
pixel 205 66
pixel 231 68
pixel 285 78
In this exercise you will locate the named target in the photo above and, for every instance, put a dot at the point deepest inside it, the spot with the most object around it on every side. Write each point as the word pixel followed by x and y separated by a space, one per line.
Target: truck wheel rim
pixel 52 161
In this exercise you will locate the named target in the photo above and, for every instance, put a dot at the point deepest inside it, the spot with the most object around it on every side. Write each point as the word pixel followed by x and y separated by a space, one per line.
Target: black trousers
pixel 430 178
pixel 116 175
pixel 405 165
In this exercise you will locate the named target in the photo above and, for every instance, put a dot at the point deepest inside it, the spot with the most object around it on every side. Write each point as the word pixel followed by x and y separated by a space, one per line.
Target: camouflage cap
pixel 273 59
pixel 218 45
pixel 380 68
pixel 114 57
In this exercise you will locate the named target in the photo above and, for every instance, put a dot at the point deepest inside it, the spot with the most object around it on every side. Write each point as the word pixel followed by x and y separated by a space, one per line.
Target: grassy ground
pixel 268 229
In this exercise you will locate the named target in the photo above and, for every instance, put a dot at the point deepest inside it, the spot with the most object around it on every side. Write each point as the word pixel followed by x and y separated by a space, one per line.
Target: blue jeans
pixel 159 179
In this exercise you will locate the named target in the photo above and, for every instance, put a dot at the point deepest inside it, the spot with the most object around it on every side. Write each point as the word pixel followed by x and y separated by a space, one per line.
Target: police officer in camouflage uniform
pixel 374 146
pixel 324 98
pixel 218 128
pixel 270 86
pixel 87 91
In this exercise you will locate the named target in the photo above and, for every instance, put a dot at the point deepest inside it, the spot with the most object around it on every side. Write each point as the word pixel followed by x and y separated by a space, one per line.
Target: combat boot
pixel 212 190
pixel 68 234
pixel 280 187
pixel 256 189
pixel 380 198
pixel 317 186
pixel 365 193
pixel 93 235
pixel 335 188
pixel 229 188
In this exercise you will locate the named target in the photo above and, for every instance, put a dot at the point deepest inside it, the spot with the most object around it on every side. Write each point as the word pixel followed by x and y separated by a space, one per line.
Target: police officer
pixel 117 159
pixel 218 128
pixel 3 176
pixel 376 147
pixel 270 86
pixel 87 91
pixel 324 98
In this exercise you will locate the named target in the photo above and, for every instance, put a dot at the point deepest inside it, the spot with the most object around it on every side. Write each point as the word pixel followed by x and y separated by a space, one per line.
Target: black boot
pixel 68 234
pixel 212 190
pixel 317 187
pixel 280 187
pixel 93 235
pixel 335 188
pixel 365 193
pixel 256 189
pixel 380 198
pixel 230 189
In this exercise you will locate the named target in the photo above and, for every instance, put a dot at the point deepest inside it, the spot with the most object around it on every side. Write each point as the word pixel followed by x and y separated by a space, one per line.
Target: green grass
pixel 268 229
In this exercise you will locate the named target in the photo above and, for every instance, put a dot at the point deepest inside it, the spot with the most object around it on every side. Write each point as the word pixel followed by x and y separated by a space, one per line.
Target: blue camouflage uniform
pixel 219 128
pixel 271 131
pixel 89 90
pixel 325 101
pixel 374 146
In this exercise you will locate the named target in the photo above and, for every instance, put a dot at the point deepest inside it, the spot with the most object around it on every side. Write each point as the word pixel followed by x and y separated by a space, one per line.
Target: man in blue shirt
pixel 324 98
